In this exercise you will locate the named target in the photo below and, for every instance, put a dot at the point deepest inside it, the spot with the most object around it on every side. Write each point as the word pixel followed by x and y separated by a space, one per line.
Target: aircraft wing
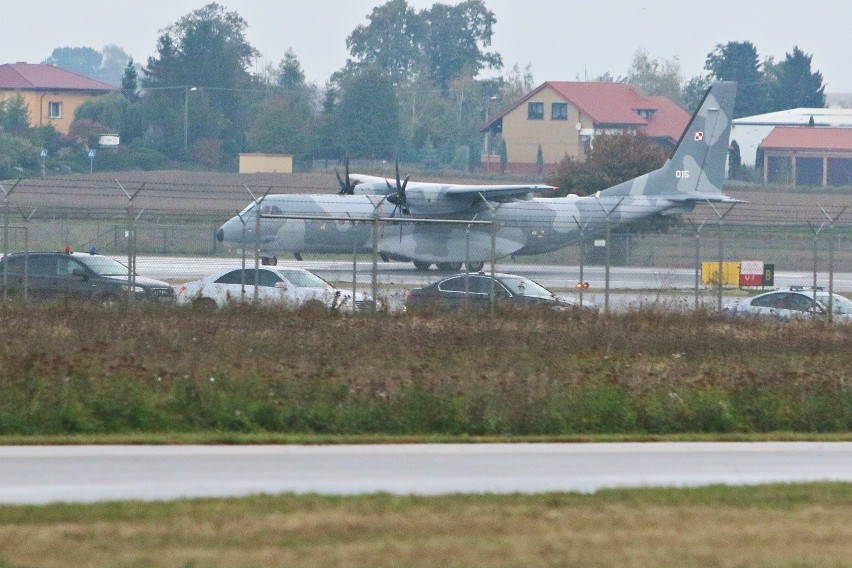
pixel 495 192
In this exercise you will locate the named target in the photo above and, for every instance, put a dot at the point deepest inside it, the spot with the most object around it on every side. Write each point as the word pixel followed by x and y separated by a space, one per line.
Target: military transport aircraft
pixel 522 223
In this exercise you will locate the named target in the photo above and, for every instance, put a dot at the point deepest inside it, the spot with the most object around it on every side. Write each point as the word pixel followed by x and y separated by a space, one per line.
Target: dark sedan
pixel 474 290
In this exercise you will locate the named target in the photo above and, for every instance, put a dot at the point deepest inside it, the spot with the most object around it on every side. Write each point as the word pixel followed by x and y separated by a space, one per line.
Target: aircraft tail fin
pixel 696 169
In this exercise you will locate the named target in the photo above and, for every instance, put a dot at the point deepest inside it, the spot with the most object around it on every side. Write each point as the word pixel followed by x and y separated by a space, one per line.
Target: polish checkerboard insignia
pixel 699 135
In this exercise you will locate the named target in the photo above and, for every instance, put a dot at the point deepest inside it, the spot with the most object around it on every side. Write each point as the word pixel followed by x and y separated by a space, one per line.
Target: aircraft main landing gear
pixel 422 265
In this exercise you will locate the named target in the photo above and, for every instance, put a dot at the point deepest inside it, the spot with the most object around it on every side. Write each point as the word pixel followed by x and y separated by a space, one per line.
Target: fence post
pixel 608 214
pixel 6 206
pixel 131 241
pixel 697 258
pixel 256 295
pixel 831 238
pixel 721 251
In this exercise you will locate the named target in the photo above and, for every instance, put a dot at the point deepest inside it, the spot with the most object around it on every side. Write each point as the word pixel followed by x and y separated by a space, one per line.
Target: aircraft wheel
pixel 269 260
pixel 449 266
pixel 475 266
pixel 422 265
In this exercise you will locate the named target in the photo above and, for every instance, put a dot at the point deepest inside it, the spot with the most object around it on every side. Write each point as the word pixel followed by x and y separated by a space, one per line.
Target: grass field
pixel 80 369
pixel 770 526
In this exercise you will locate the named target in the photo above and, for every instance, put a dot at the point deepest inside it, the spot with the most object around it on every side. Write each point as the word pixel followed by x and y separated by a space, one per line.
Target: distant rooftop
pixel 43 77
pixel 817 138
pixel 800 116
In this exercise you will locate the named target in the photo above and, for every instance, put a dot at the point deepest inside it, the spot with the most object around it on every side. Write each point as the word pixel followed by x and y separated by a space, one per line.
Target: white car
pixel 796 303
pixel 276 285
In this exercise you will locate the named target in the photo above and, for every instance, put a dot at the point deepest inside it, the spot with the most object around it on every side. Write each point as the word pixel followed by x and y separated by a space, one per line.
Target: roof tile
pixel 43 77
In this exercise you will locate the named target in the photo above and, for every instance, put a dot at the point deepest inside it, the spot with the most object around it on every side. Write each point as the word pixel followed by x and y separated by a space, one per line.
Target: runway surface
pixel 44 474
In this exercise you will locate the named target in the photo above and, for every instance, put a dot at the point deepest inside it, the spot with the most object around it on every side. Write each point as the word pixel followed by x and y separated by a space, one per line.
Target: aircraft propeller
pixel 398 198
pixel 346 187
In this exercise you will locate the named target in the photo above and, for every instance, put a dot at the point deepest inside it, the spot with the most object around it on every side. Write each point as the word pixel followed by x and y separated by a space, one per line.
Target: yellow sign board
pixel 730 273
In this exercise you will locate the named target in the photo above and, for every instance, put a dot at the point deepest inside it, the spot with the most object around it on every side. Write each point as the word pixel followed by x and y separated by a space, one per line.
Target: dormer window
pixel 646 113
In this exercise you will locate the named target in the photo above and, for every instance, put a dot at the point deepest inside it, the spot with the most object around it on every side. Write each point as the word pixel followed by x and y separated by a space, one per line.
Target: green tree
pixel 130 82
pixel 539 160
pixel 391 41
pixel 454 40
pixel 369 116
pixel 14 115
pixel 84 61
pixel 113 64
pixel 612 159
pixel 738 61
pixel 513 86
pixel 327 139
pixel 207 50
pixel 289 72
pixel 120 115
pixel 654 78
pixel 794 84
pixel 693 91
pixel 445 42
pixel 284 125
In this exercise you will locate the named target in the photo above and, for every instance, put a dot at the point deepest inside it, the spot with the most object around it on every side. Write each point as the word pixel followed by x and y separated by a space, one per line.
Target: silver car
pixel 796 303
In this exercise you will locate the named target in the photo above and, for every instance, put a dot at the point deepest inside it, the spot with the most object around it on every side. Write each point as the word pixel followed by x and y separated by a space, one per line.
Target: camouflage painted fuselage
pixel 522 224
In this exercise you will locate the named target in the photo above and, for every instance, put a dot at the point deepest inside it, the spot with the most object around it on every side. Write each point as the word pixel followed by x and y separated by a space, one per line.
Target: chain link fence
pixel 168 230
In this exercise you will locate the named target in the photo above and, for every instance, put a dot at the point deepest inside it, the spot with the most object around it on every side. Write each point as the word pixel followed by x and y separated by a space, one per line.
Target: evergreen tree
pixel 14 115
pixel 795 85
pixel 738 61
pixel 290 74
pixel 130 82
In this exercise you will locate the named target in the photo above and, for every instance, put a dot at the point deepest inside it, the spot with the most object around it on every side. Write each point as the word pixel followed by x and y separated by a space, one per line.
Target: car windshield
pixel 520 286
pixel 301 279
pixel 104 266
pixel 840 304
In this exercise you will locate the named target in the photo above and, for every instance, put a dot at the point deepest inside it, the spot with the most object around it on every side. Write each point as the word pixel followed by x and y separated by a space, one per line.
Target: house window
pixel 646 113
pixel 559 111
pixel 54 110
pixel 535 111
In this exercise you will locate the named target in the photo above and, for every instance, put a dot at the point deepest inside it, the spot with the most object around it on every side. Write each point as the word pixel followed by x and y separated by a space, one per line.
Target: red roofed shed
pixel 802 155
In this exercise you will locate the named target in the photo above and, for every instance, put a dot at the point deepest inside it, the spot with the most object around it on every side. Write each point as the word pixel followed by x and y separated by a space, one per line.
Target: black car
pixel 474 290
pixel 70 275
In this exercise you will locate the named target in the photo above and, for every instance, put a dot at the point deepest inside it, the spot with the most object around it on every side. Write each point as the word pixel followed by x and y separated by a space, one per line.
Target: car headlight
pixel 136 289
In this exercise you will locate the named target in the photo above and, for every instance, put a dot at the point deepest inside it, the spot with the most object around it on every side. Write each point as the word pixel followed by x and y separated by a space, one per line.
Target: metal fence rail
pixel 814 240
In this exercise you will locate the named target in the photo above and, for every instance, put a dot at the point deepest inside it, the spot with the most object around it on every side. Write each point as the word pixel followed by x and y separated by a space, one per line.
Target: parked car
pixel 74 275
pixel 473 289
pixel 796 303
pixel 276 285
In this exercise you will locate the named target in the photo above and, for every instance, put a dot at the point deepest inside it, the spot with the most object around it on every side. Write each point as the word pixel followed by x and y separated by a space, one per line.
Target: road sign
pixel 44 152
pixel 92 153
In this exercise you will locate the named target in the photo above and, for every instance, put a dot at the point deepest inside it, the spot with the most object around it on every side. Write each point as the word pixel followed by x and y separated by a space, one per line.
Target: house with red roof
pixel 807 155
pixel 563 118
pixel 51 94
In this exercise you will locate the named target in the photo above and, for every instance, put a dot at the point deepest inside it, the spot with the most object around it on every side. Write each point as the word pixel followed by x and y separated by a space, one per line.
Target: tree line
pixel 411 89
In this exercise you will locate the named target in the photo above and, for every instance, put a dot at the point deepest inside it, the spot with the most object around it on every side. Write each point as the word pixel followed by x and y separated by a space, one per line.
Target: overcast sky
pixel 563 40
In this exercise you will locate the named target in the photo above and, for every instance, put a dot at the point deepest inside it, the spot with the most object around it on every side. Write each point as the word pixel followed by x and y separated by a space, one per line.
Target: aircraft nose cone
pixel 220 235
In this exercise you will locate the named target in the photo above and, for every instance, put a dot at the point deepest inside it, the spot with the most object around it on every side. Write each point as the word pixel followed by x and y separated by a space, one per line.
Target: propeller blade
pixel 346 187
